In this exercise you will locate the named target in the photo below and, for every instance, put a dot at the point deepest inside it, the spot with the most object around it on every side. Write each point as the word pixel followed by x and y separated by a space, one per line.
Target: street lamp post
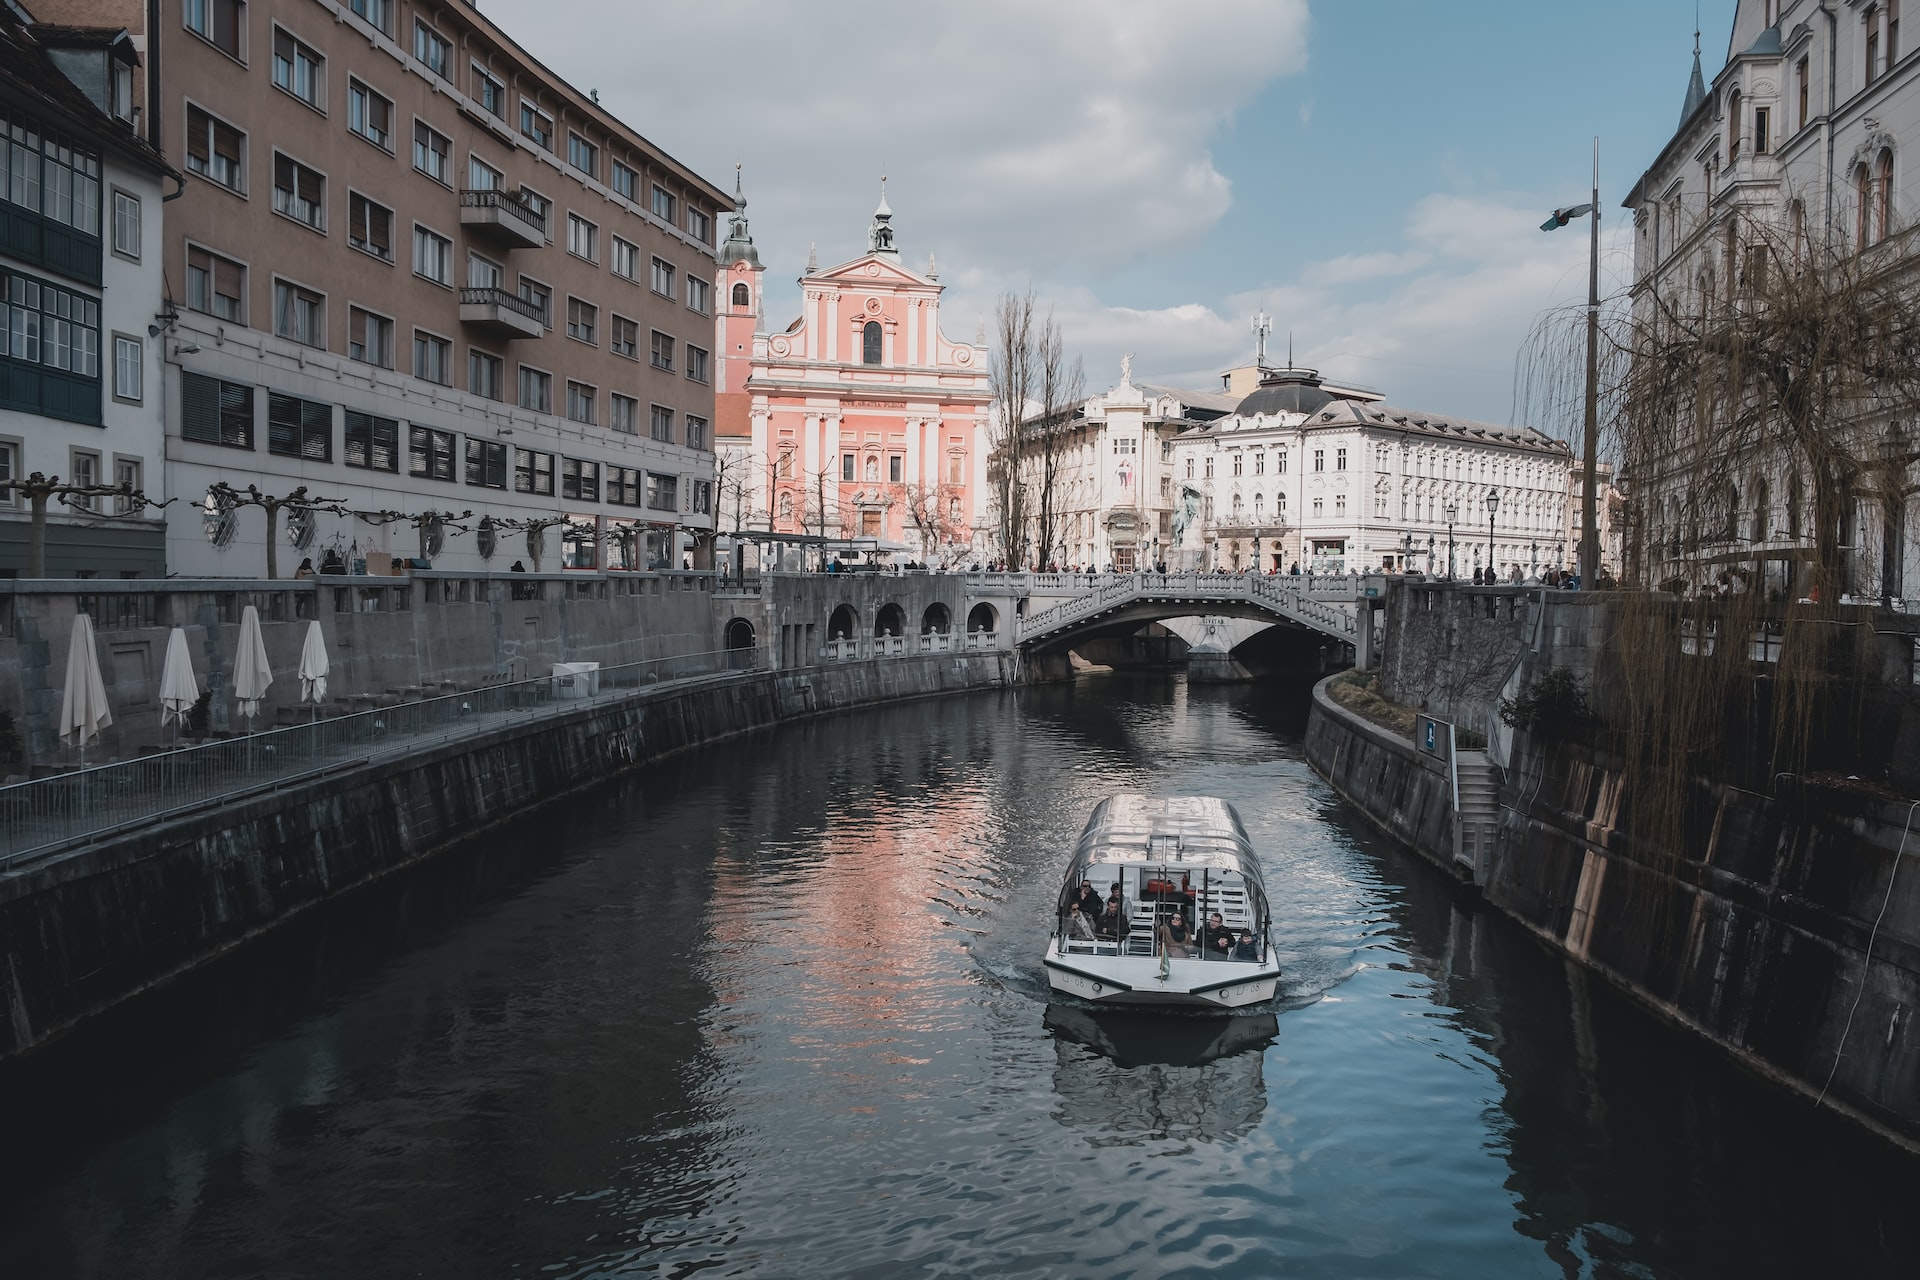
pixel 1429 553
pixel 1589 529
pixel 1452 512
pixel 1493 505
pixel 1533 560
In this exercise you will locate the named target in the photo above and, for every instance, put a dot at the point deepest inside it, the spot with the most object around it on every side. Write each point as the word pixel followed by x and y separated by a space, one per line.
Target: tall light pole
pixel 1589 530
pixel 1493 505
pixel 1452 512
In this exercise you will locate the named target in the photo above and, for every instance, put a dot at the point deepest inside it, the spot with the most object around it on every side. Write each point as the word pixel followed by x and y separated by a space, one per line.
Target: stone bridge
pixel 1081 607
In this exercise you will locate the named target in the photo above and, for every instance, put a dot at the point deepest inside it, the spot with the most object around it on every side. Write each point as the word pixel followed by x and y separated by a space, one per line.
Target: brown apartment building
pixel 418 272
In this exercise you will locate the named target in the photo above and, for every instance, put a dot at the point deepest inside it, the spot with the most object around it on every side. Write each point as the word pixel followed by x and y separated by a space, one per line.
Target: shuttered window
pixel 372 443
pixel 299 428
pixel 216 412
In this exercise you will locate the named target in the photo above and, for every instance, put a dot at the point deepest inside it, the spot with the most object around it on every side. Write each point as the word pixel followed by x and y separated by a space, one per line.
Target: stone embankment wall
pixel 1788 934
pixel 83 930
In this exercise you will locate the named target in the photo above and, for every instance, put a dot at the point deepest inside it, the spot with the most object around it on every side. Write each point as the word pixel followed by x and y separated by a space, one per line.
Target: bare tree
pixel 1060 387
pixel 40 488
pixel 1011 378
pixel 930 510
pixel 232 499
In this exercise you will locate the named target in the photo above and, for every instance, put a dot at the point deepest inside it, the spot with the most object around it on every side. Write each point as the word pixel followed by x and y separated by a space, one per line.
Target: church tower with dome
pixel 860 420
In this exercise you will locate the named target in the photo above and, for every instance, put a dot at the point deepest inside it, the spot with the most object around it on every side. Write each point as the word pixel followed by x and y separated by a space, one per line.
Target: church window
pixel 896 468
pixel 783 469
pixel 846 466
pixel 1883 197
pixel 786 506
pixel 956 468
pixel 1761 119
pixel 870 343
pixel 741 297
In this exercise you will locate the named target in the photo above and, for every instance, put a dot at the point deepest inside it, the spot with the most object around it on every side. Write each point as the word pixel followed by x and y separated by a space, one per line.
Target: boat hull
pixel 1139 980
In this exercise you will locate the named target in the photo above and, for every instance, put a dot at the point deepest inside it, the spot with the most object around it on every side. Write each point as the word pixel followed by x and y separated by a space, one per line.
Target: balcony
pixel 501 314
pixel 504 218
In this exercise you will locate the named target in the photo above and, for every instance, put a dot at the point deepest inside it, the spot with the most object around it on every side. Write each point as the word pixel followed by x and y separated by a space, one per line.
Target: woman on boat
pixel 1175 938
pixel 1079 929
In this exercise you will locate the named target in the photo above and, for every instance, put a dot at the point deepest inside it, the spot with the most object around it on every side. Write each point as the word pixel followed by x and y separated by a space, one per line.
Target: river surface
pixel 776 1009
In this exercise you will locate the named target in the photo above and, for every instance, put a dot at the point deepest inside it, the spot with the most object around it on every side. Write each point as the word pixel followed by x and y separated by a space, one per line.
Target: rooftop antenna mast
pixel 1262 326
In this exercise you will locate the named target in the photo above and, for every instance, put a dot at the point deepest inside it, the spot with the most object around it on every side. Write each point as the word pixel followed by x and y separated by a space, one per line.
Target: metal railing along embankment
pixel 87 804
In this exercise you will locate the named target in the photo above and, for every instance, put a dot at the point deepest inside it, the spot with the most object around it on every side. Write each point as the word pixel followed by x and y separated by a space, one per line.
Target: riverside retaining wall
pixel 84 930
pixel 1788 935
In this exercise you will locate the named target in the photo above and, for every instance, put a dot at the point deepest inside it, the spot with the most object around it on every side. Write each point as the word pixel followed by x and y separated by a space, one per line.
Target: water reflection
pixel 1135 1077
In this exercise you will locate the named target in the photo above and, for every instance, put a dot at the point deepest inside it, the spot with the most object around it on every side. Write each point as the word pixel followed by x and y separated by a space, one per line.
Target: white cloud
pixel 1020 139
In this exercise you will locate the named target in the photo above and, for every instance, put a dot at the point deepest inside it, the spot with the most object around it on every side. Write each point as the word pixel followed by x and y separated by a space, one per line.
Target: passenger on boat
pixel 1217 937
pixel 1175 938
pixel 1079 929
pixel 1245 949
pixel 1114 921
pixel 1089 900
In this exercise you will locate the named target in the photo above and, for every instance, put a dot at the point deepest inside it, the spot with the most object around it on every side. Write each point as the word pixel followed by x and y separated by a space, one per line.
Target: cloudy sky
pixel 1371 172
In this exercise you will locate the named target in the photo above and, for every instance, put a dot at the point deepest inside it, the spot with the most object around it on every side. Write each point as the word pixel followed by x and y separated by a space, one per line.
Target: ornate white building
pixel 1798 141
pixel 1332 480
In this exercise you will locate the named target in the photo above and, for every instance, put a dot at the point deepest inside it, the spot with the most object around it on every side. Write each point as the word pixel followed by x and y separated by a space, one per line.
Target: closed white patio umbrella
pixel 313 667
pixel 179 689
pixel 251 674
pixel 83 704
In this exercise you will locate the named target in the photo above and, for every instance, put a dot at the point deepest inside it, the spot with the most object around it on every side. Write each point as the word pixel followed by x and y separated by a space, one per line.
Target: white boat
pixel 1176 856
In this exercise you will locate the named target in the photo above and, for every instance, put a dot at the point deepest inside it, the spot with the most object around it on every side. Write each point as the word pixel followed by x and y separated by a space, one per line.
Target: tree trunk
pixel 37 535
pixel 273 563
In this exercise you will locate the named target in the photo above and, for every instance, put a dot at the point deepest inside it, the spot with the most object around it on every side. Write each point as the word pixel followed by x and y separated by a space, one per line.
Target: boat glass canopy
pixel 1186 831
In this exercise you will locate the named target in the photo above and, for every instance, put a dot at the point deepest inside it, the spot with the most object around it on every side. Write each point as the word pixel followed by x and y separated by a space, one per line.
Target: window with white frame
pixel 433 50
pixel 430 454
pixel 299 193
pixel 486 374
pixel 697 433
pixel 432 256
pixel 432 357
pixel 299 69
pixel 664 205
pixel 216 286
pixel 536 126
pixel 369 338
pixel 583 321
pixel 696 363
pixel 662 277
pixel 299 314
pixel 699 226
pixel 624 181
pixel 624 413
pixel 489 92
pixel 660 426
pixel 536 390
pixel 215 150
pixel 583 155
pixel 699 292
pixel 221 23
pixel 370 227
pixel 126 224
pixel 539 297
pixel 626 259
pixel 582 400
pixel 481 176
pixel 661 356
pixel 623 338
pixel 583 238
pixel 129 366
pixel 432 152
pixel 370 115
pixel 378 13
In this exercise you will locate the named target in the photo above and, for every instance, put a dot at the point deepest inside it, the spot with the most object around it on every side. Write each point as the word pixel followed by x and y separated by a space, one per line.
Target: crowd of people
pixel 1091 918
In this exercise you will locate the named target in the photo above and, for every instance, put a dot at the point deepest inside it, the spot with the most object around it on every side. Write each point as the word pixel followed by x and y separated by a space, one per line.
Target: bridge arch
pixel 983 617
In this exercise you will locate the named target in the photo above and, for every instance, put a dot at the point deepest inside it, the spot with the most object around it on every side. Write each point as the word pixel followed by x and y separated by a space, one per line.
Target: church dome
pixel 1296 391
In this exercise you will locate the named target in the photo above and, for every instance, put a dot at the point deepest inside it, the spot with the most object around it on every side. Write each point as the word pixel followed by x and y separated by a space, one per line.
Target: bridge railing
pixel 862 648
pixel 1320 602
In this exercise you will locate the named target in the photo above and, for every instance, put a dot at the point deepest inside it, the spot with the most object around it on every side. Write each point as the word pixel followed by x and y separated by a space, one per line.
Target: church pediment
pixel 868 270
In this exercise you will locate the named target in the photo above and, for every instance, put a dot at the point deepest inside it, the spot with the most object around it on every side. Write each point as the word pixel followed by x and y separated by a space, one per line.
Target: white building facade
pixel 1331 480
pixel 1797 145
pixel 80 286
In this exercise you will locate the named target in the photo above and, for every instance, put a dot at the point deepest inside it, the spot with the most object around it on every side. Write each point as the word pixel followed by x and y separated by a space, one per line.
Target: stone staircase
pixel 1479 814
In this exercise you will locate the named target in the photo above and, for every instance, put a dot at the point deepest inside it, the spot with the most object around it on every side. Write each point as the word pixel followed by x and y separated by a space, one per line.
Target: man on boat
pixel 1115 919
pixel 1218 938
pixel 1089 901
pixel 1246 948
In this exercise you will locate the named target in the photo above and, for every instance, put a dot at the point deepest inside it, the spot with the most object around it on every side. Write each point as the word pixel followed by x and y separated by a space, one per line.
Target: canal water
pixel 777 1010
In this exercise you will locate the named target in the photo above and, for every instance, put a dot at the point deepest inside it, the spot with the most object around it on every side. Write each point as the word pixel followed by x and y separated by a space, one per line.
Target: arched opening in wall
pixel 936 621
pixel 843 624
pixel 890 621
pixel 870 343
pixel 742 297
pixel 1883 195
pixel 1862 205
pixel 740 643
pixel 983 617
pixel 1733 126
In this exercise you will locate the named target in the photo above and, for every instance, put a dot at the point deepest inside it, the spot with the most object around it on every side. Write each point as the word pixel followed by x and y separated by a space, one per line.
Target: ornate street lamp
pixel 1406 551
pixel 1452 513
pixel 1533 560
pixel 1493 505
pixel 1256 553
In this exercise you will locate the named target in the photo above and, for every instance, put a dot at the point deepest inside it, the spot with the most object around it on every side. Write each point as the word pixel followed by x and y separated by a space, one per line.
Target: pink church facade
pixel 861 419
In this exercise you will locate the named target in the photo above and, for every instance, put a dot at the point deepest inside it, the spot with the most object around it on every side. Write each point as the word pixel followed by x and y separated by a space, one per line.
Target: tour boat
pixel 1185 857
